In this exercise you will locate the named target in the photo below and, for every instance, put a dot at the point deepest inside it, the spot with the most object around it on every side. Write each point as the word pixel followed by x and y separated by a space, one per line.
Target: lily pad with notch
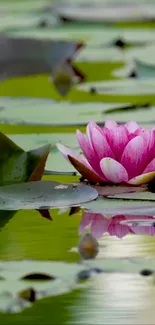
pixel 43 195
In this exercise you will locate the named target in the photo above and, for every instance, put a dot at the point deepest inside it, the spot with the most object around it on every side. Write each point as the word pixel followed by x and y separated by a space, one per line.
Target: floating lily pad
pixel 139 59
pixel 44 195
pixel 93 35
pixel 12 304
pixel 121 87
pixel 123 265
pixel 110 54
pixel 15 289
pixel 105 12
pixel 111 207
pixel 117 190
pixel 18 6
pixel 49 112
pixel 10 21
pixel 144 196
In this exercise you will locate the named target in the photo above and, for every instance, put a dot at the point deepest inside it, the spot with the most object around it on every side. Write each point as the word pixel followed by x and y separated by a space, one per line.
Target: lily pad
pixel 49 112
pixel 15 289
pixel 110 54
pixel 24 6
pixel 144 196
pixel 105 12
pixel 44 195
pixel 121 87
pixel 122 265
pixel 93 36
pixel 115 191
pixel 111 207
pixel 11 21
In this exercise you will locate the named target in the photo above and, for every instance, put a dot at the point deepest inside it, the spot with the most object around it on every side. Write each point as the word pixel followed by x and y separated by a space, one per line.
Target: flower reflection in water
pixel 119 225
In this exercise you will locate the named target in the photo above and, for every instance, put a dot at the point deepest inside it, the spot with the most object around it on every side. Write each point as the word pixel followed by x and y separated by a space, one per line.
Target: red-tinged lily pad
pixel 44 195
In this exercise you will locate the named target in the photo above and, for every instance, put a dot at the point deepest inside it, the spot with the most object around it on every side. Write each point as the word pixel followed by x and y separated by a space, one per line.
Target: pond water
pixel 45 274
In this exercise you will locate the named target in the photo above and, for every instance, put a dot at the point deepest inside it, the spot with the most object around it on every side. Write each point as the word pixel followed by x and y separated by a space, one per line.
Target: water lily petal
pixel 101 145
pixel 89 152
pixel 89 130
pixel 82 166
pixel 150 167
pixel 85 171
pixel 117 139
pixel 132 126
pixel 113 171
pixel 117 229
pixel 149 142
pixel 142 179
pixel 110 124
pixel 66 151
pixel 99 225
pixel 133 157
pixel 85 222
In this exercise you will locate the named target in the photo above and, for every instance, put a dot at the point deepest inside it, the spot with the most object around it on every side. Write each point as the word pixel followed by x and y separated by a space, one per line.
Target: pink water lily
pixel 100 225
pixel 114 154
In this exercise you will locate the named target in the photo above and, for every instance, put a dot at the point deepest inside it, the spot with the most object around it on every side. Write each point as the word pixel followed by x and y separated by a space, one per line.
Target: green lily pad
pixel 49 112
pixel 18 21
pixel 93 35
pixel 121 87
pixel 144 196
pixel 102 12
pixel 43 195
pixel 110 54
pixel 111 207
pixel 21 6
pixel 114 190
pixel 14 291
pixel 121 265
